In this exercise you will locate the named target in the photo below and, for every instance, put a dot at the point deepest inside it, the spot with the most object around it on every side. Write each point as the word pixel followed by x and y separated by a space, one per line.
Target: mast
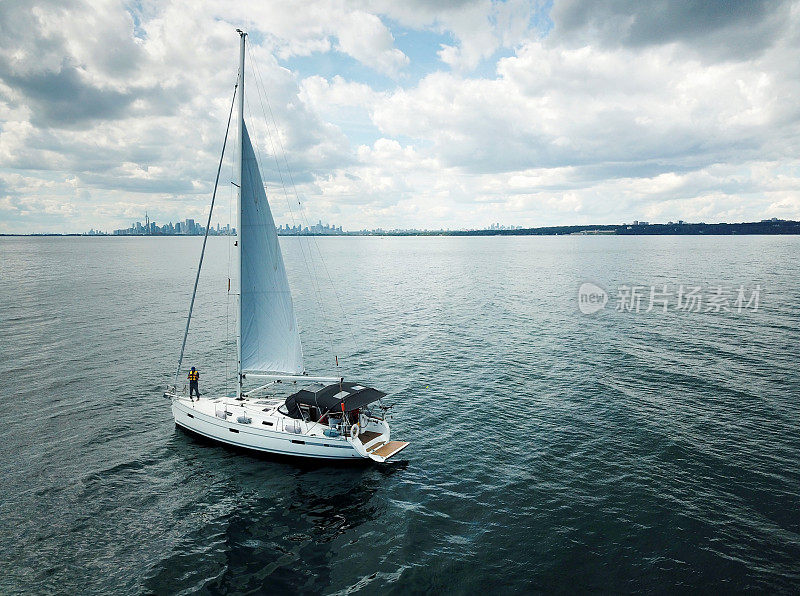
pixel 239 177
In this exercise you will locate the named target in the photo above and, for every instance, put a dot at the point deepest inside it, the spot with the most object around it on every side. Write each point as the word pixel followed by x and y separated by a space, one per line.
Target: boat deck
pixel 368 436
pixel 389 449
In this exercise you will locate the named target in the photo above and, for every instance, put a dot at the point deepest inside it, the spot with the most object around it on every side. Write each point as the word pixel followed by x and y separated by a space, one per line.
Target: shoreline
pixel 763 228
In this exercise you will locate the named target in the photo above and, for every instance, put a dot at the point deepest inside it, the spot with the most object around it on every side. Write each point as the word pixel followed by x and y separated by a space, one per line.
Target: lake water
pixel 550 450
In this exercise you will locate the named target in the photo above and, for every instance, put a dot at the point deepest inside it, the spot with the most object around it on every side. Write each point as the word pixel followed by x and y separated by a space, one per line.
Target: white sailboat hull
pixel 250 436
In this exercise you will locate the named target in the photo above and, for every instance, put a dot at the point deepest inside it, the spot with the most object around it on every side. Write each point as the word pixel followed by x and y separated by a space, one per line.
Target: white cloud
pixel 322 94
pixel 560 107
pixel 105 113
pixel 140 112
pixel 318 26
pixel 478 27
pixel 364 37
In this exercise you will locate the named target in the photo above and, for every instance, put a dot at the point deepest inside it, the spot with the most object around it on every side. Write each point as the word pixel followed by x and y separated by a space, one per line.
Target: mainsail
pixel 270 341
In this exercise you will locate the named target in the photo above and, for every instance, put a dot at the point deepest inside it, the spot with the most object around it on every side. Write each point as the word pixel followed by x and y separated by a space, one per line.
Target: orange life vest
pixel 194 375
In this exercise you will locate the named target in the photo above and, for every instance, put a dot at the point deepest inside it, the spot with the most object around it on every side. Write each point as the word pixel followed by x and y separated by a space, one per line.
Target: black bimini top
pixel 329 399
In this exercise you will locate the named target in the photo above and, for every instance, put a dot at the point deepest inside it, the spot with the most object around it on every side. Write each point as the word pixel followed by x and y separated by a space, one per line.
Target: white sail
pixel 270 340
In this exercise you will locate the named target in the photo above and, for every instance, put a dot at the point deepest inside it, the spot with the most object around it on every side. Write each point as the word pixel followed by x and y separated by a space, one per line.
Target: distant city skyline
pixel 188 227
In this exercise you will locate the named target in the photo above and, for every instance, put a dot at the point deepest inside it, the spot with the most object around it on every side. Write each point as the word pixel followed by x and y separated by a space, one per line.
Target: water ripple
pixel 550 452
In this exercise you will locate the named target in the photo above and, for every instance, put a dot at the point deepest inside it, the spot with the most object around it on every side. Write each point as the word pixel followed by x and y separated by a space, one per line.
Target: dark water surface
pixel 550 450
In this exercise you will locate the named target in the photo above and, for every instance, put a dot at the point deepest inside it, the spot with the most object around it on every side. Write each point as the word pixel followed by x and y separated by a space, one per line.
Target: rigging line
pixel 205 238
pixel 312 269
pixel 303 215
pixel 317 292
pixel 259 86
pixel 257 152
pixel 259 83
pixel 348 325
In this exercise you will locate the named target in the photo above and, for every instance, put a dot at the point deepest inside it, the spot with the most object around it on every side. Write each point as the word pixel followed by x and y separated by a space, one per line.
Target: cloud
pixel 73 65
pixel 63 98
pixel 322 94
pixel 475 29
pixel 150 120
pixel 601 131
pixel 715 28
pixel 562 106
pixel 505 111
pixel 364 37
pixel 317 27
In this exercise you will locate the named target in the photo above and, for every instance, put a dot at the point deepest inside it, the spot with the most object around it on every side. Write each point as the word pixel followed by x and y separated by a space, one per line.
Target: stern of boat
pixel 373 440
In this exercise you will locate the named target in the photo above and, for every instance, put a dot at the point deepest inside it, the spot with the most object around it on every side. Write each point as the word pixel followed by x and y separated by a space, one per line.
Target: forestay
pixel 270 339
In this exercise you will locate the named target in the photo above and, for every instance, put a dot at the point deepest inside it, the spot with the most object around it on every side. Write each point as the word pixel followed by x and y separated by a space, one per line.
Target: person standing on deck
pixel 194 378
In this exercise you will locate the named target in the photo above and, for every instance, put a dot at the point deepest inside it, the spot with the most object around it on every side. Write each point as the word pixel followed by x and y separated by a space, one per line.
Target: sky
pixel 452 114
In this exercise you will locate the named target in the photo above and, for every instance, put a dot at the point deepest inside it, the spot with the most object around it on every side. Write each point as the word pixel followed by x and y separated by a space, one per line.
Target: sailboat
pixel 290 412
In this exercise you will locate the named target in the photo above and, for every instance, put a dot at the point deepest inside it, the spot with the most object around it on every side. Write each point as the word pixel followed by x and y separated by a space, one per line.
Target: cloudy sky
pixel 402 114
